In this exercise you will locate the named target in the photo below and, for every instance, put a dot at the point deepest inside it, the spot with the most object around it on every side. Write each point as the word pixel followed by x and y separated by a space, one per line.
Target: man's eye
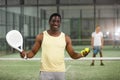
pixel 54 21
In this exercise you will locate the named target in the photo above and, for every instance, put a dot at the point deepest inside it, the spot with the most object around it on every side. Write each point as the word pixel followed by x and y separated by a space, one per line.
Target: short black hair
pixel 55 14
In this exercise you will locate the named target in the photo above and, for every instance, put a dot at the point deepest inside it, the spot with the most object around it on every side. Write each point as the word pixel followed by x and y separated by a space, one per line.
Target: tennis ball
pixel 87 49
pixel 82 51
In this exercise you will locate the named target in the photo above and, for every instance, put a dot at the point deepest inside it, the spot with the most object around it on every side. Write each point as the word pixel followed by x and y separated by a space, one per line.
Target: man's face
pixel 98 29
pixel 55 23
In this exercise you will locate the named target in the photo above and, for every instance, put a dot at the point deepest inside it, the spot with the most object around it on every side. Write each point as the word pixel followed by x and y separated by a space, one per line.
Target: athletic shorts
pixel 96 49
pixel 52 75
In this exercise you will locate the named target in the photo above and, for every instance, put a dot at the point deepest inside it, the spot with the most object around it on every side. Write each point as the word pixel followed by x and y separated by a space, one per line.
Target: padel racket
pixel 15 40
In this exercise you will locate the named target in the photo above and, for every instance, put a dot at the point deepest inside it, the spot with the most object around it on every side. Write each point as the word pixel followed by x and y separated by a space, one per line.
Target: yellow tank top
pixel 52 57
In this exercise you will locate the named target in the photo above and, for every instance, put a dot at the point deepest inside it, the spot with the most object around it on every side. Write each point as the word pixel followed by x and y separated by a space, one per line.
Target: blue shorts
pixel 96 49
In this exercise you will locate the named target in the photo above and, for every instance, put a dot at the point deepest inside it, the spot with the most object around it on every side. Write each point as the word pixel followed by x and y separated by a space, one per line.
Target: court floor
pixel 75 69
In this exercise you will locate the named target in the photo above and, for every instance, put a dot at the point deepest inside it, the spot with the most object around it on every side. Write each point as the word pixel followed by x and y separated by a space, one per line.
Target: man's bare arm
pixel 35 48
pixel 71 51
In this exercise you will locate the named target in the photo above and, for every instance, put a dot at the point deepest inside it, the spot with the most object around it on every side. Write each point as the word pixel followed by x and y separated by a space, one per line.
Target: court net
pixel 68 59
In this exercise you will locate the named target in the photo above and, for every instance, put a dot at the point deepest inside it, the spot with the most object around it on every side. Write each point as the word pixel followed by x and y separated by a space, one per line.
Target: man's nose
pixel 56 23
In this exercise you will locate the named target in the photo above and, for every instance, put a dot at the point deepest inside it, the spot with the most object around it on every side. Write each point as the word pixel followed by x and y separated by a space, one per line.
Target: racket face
pixel 15 40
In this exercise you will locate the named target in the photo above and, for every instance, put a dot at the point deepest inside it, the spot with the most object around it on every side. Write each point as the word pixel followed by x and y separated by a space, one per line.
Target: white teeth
pixel 56 26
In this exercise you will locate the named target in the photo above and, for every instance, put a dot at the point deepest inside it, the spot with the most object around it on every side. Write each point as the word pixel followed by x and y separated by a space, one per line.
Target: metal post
pixel 6 16
pixel 94 1
pixel 37 18
pixel 57 5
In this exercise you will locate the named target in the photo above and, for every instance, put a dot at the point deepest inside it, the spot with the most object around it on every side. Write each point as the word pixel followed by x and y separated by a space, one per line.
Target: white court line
pixel 19 65
pixel 97 58
pixel 18 59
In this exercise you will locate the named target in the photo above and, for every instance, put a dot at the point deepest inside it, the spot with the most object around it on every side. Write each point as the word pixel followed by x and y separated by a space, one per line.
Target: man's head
pixel 54 21
pixel 97 29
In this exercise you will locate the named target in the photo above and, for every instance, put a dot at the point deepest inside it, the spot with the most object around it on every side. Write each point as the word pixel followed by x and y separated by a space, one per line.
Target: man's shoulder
pixel 66 35
pixel 42 33
pixel 39 36
pixel 100 33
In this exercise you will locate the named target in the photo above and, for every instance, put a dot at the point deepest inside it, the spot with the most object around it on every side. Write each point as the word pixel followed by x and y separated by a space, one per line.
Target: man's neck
pixel 97 31
pixel 53 33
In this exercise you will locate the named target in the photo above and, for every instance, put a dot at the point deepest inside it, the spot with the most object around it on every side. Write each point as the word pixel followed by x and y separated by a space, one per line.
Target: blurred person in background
pixel 97 42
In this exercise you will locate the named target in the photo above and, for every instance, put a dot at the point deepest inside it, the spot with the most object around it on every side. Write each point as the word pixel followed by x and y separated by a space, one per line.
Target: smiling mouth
pixel 55 26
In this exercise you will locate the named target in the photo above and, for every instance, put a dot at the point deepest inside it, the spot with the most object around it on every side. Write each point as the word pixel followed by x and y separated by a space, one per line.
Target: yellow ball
pixel 87 49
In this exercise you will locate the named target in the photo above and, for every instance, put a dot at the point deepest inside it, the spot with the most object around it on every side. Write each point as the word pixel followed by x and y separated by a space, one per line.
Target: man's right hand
pixel 23 54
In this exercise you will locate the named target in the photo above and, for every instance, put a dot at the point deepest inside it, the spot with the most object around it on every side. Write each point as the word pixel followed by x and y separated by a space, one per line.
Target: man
pixel 53 43
pixel 97 43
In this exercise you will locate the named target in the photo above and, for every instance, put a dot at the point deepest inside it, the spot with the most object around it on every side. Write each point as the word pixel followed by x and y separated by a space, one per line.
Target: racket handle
pixel 23 54
pixel 25 57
